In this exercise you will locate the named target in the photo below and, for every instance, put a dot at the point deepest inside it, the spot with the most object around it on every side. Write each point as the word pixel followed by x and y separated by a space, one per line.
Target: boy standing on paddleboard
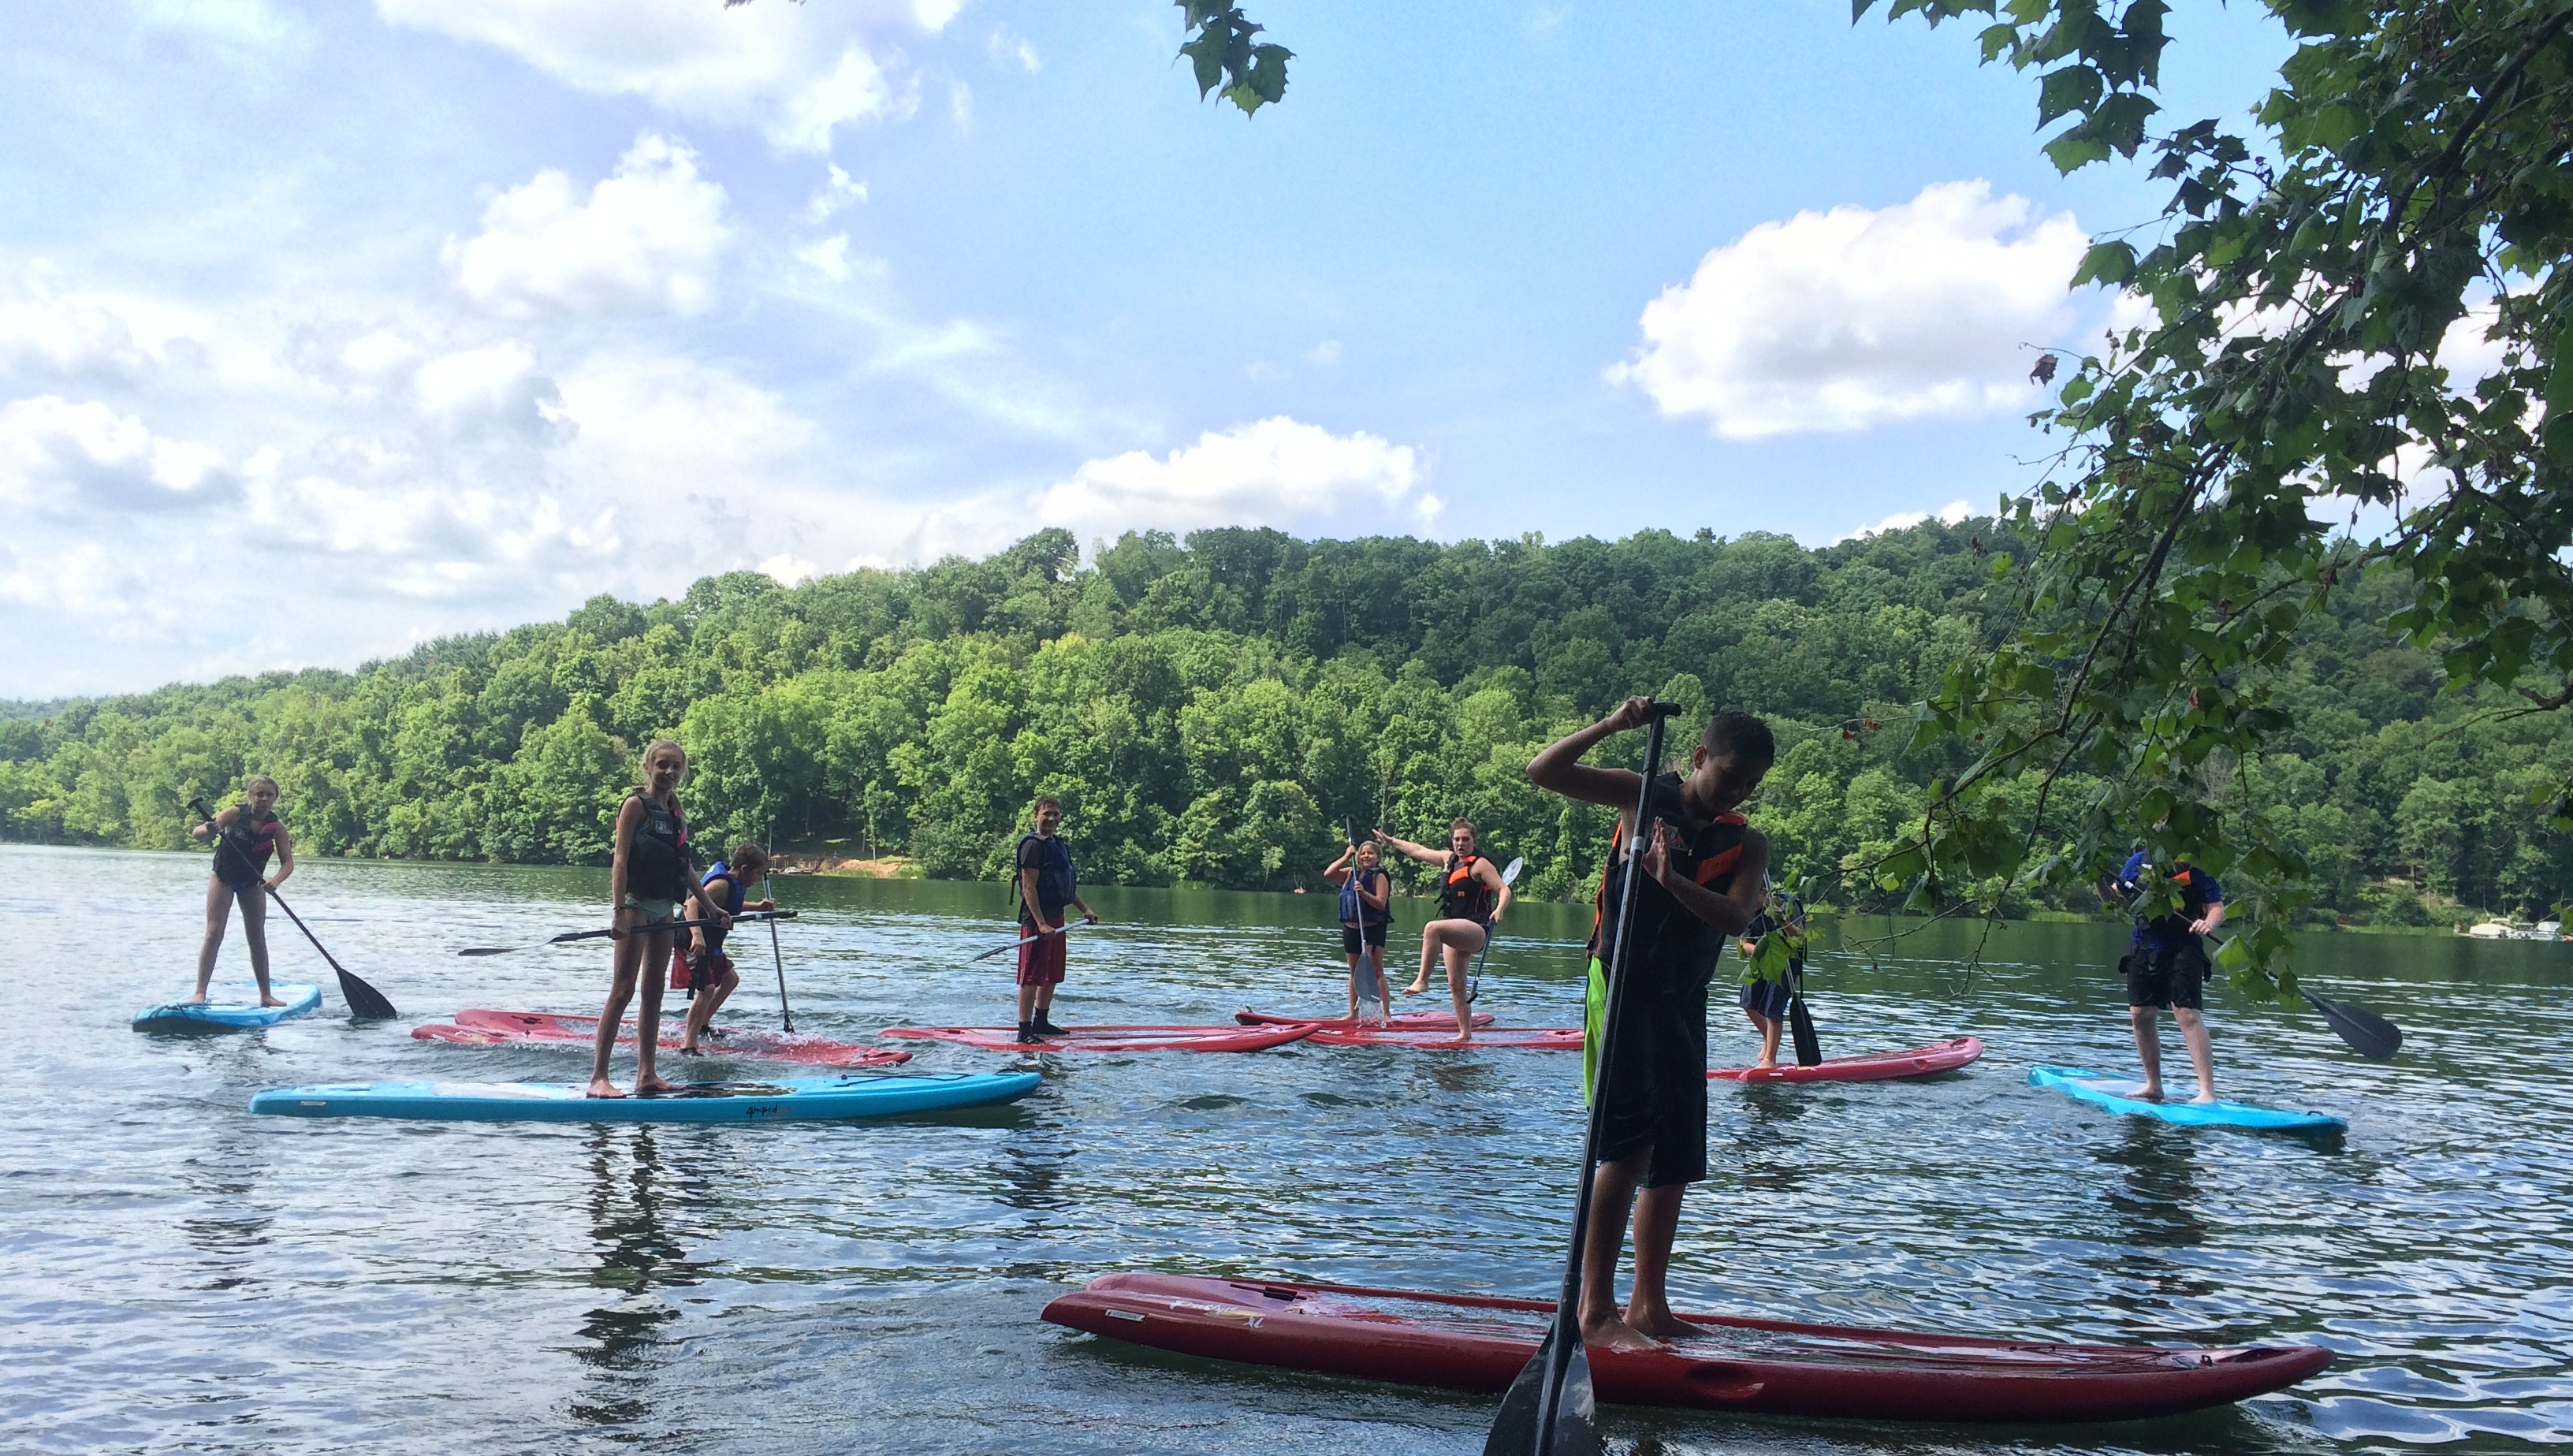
pixel 705 972
pixel 2165 966
pixel 1046 883
pixel 1703 871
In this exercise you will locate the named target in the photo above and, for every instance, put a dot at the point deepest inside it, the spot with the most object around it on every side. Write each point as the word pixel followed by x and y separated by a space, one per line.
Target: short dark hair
pixel 1045 800
pixel 1736 734
pixel 749 858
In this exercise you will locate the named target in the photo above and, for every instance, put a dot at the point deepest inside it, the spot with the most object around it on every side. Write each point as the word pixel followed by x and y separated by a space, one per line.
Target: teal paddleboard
pixel 230 1008
pixel 791 1099
pixel 2117 1094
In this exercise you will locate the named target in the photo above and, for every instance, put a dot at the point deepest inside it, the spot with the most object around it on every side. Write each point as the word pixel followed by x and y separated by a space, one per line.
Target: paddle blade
pixel 365 1002
pixel 1800 1023
pixel 1519 1426
pixel 2368 1034
pixel 1510 875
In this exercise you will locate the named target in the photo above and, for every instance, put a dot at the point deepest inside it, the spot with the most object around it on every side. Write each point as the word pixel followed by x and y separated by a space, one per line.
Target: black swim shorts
pixel 1656 1076
pixel 1349 937
pixel 2166 976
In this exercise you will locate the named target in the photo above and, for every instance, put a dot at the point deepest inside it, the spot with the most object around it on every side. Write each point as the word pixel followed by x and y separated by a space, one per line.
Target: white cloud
pixel 788 569
pixel 836 192
pixel 797 72
pixel 45 330
pixel 644 238
pixel 497 386
pixel 1955 512
pixel 1845 319
pixel 655 429
pixel 1270 472
pixel 960 105
pixel 1323 355
pixel 57 455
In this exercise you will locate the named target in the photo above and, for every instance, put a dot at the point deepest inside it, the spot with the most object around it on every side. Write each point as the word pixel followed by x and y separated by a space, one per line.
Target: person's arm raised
pixel 1559 768
pixel 1421 852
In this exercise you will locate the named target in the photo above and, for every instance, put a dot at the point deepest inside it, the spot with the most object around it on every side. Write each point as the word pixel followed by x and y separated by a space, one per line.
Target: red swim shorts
pixel 1040 960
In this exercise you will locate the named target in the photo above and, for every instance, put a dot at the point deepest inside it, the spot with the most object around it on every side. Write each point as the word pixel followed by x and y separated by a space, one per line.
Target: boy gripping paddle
pixel 650 878
pixel 1366 914
pixel 242 837
pixel 2165 966
pixel 1472 897
pixel 706 971
pixel 1701 875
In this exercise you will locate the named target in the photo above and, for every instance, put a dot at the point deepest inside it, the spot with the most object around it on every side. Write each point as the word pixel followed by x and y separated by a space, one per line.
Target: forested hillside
pixel 1209 710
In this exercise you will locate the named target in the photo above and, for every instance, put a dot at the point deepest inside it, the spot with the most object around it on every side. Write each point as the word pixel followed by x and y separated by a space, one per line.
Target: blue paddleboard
pixel 786 1100
pixel 2114 1092
pixel 230 1008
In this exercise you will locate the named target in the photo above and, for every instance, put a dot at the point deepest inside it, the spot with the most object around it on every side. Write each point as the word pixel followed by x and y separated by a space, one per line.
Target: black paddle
pixel 785 1012
pixel 365 1002
pixel 599 935
pixel 1800 1023
pixel 1551 1409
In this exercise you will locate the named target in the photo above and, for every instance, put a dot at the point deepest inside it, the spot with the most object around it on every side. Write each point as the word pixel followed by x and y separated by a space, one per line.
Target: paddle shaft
pixel 363 1000
pixel 567 937
pixel 785 1012
pixel 1565 1343
pixel 1068 926
pixel 1475 982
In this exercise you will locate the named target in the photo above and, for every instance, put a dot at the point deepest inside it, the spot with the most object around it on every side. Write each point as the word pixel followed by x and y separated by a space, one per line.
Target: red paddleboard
pixel 1406 1021
pixel 1113 1038
pixel 1945 1055
pixel 480 1027
pixel 1468 1342
pixel 1508 1038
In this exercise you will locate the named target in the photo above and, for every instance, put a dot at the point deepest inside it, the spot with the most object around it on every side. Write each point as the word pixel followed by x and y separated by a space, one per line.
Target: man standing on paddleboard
pixel 1046 884
pixel 1705 871
pixel 2165 966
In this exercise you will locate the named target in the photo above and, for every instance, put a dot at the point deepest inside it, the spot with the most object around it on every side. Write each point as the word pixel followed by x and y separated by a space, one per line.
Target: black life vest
pixel 2174 929
pixel 246 843
pixel 658 867
pixel 1462 896
pixel 1355 908
pixel 1057 880
pixel 1669 950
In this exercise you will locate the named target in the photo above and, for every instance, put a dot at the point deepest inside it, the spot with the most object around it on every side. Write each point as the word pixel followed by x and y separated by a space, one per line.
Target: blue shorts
pixel 1765 998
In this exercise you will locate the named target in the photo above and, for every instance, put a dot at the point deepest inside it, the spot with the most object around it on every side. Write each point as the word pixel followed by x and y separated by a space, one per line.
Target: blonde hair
pixel 652 750
pixel 255 780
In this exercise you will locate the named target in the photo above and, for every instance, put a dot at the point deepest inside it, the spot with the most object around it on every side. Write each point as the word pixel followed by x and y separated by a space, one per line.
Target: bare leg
pixel 702 1012
pixel 1383 986
pixel 1460 960
pixel 2201 1053
pixel 620 989
pixel 254 909
pixel 1768 1038
pixel 648 1022
pixel 219 909
pixel 1612 1199
pixel 1355 963
pixel 1657 1226
pixel 1429 957
pixel 2149 1047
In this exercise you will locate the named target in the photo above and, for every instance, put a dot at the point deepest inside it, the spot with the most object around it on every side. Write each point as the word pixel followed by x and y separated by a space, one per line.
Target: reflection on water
pixel 183 1276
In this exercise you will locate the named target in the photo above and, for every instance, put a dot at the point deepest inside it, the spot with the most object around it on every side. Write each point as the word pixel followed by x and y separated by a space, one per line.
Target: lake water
pixel 180 1274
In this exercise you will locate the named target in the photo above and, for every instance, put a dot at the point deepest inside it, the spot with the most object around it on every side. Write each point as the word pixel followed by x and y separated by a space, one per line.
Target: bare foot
pixel 1662 1326
pixel 270 1001
pixel 600 1086
pixel 1616 1334
pixel 648 1085
pixel 1462 1038
pixel 2205 1098
pixel 1765 1063
pixel 197 1000
pixel 689 1049
pixel 2150 1092
pixel 1415 987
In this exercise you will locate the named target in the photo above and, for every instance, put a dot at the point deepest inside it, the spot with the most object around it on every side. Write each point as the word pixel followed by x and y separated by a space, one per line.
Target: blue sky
pixel 325 329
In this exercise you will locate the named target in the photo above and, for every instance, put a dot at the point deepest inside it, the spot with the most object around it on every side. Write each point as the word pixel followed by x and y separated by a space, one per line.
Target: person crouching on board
pixel 703 970
pixel 649 883
pixel 1472 897
pixel 1047 882
pixel 1703 868
pixel 1367 916
pixel 242 836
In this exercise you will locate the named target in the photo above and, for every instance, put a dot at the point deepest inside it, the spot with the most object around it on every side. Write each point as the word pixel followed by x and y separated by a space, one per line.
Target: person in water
pixel 1367 916
pixel 242 836
pixel 1047 882
pixel 1765 995
pixel 1472 897
pixel 649 882
pixel 2165 966
pixel 1702 868
pixel 704 970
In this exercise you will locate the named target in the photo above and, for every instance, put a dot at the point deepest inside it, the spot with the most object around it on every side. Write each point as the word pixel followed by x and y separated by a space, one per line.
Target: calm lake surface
pixel 180 1274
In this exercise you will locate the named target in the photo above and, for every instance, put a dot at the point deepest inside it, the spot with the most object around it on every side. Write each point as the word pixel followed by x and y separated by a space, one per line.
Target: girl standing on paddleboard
pixel 1367 914
pixel 649 881
pixel 1472 898
pixel 244 835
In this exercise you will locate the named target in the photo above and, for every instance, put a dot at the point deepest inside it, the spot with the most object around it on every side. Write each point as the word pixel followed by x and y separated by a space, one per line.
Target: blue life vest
pixel 1354 909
